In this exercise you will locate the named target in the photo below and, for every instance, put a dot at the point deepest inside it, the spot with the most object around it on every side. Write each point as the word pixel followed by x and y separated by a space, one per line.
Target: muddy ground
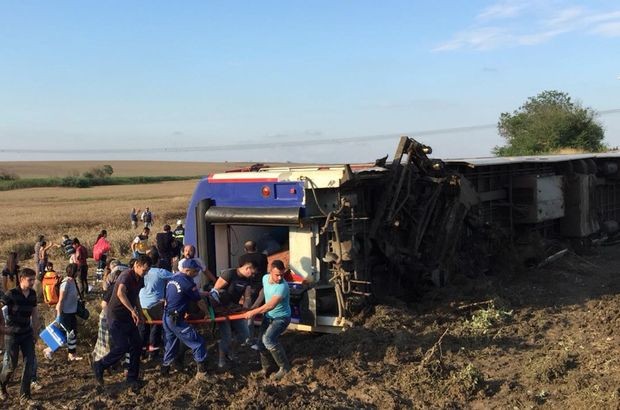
pixel 541 338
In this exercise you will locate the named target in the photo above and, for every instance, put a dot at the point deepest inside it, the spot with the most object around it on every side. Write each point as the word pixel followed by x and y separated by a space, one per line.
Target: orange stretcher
pixel 233 316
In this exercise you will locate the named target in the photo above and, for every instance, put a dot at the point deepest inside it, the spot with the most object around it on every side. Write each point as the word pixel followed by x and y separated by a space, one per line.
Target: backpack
pixel 102 246
pixel 51 287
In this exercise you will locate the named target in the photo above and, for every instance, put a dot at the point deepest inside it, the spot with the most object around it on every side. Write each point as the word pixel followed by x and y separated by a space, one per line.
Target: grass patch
pixel 484 320
pixel 85 182
pixel 469 380
pixel 553 365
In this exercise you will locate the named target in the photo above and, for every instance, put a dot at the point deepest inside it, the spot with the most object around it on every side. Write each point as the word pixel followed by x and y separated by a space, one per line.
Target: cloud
pixel 504 9
pixel 482 38
pixel 513 24
pixel 607 29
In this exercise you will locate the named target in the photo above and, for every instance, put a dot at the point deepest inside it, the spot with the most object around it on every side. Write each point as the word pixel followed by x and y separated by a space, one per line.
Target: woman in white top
pixel 66 310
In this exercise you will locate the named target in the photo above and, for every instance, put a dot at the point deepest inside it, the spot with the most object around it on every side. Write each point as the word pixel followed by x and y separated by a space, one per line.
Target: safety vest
pixel 179 233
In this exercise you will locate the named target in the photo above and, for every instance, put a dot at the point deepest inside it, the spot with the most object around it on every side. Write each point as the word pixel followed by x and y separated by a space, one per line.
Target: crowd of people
pixel 151 307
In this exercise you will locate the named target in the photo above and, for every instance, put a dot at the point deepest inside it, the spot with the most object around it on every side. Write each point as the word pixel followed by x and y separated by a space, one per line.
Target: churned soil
pixel 540 338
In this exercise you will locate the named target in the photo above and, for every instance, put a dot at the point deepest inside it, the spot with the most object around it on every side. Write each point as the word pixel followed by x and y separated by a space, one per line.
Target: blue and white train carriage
pixel 292 213
pixel 351 232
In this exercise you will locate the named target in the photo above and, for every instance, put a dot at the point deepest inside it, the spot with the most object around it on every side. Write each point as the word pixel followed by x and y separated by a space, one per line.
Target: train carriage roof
pixel 488 161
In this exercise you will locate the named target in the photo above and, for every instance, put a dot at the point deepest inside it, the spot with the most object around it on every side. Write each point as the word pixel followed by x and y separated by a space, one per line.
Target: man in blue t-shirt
pixel 180 291
pixel 152 302
pixel 276 318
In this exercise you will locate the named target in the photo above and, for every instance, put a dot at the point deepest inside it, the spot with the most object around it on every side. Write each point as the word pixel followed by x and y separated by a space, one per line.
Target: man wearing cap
pixel 180 291
pixel 179 235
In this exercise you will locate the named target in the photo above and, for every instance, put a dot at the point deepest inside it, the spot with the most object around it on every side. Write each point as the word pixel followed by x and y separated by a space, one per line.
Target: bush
pixel 76 182
pixel 484 320
pixel 100 172
pixel 8 175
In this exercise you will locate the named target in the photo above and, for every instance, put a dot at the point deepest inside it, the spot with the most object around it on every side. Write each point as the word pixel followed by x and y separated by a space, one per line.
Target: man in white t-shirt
pixel 205 276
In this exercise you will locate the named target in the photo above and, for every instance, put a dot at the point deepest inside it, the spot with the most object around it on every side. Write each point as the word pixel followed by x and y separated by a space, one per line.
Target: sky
pixel 314 81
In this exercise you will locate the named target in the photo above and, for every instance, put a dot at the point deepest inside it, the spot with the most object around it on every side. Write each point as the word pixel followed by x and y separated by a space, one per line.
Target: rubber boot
pixel 201 371
pixel 279 355
pixel 266 363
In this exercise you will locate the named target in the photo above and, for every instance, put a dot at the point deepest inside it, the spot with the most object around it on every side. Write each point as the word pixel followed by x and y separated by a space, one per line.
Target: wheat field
pixel 47 169
pixel 83 212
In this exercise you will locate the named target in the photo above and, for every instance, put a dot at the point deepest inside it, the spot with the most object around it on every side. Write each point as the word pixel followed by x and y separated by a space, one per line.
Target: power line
pixel 243 146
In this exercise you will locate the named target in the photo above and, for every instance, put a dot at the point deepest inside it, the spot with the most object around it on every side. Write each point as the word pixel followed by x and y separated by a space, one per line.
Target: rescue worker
pixel 276 318
pixel 180 291
pixel 179 235
pixel 140 244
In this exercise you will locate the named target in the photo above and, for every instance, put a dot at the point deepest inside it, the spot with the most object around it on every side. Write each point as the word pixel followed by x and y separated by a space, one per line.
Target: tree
pixel 547 123
pixel 101 172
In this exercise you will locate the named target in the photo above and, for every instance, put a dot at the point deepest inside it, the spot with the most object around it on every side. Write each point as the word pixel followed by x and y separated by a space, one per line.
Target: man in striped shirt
pixel 21 318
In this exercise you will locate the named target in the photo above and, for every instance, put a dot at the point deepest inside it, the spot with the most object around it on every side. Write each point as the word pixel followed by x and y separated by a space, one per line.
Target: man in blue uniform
pixel 180 291
pixel 276 318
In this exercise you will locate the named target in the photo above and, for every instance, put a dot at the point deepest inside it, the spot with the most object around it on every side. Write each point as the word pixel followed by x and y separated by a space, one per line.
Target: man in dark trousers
pixel 81 256
pixel 228 290
pixel 166 248
pixel 260 261
pixel 123 322
pixel 22 319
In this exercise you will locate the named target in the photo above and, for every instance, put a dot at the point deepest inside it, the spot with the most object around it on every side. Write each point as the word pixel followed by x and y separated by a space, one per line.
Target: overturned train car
pixel 351 232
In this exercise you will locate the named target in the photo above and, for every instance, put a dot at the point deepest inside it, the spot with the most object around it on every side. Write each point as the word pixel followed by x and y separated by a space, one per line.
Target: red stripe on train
pixel 239 180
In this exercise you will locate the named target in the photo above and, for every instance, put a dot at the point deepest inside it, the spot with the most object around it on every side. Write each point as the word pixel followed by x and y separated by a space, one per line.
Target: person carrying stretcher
pixel 180 292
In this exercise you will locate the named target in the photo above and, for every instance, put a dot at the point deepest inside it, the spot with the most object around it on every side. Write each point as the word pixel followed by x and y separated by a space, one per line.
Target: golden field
pixel 46 169
pixel 83 212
